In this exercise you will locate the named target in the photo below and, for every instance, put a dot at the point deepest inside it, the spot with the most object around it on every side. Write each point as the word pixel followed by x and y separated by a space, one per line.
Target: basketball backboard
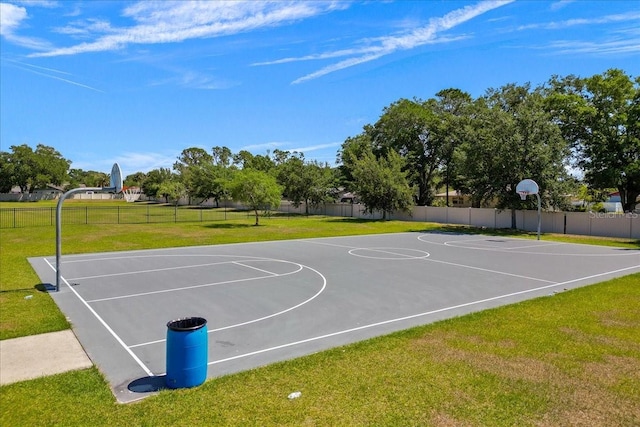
pixel 527 187
pixel 116 178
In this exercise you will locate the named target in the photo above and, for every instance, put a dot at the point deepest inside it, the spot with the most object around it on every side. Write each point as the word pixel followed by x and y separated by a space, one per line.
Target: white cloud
pixel 265 146
pixel 196 80
pixel 619 41
pixel 132 162
pixel 373 49
pixel 11 18
pixel 627 46
pixel 40 3
pixel 177 21
pixel 317 147
pixel 607 19
pixel 561 4
pixel 85 27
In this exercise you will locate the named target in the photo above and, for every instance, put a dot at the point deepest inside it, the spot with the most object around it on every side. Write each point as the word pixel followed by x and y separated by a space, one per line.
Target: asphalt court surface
pixel 271 301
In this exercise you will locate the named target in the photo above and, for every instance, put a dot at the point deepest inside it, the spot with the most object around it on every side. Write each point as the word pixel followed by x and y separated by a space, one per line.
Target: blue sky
pixel 138 82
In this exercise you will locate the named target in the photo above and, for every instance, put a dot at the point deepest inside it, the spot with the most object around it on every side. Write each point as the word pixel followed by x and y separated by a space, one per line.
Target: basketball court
pixel 273 301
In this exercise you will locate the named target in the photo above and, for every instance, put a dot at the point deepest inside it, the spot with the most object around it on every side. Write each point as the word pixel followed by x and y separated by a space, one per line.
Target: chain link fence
pixel 142 214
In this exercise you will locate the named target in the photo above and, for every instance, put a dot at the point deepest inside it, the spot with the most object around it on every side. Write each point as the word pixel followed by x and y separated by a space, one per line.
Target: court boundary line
pixel 413 316
pixel 105 324
pixel 355 329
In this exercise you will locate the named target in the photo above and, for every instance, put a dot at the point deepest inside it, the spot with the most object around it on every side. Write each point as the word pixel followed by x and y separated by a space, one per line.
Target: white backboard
pixel 116 178
pixel 528 186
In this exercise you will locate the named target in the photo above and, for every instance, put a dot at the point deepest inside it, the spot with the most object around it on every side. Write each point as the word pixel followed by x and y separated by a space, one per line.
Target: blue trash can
pixel 187 348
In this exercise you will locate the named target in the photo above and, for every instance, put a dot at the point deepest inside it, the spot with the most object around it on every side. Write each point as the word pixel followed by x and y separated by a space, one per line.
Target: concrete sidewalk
pixel 40 355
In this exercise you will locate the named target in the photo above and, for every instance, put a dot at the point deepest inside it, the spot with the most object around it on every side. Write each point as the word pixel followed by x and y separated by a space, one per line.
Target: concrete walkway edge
pixel 41 355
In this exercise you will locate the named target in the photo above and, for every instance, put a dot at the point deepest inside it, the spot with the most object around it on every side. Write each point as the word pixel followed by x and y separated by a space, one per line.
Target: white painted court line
pixel 315 242
pixel 488 246
pixel 257 269
pixel 153 270
pixel 450 243
pixel 184 288
pixel 449 263
pixel 397 256
pixel 400 319
pixel 534 246
pixel 324 286
pixel 480 244
pixel 352 249
pixel 107 327
pixel 489 270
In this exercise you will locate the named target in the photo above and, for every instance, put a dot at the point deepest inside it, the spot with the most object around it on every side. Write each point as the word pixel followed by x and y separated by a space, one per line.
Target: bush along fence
pixel 580 223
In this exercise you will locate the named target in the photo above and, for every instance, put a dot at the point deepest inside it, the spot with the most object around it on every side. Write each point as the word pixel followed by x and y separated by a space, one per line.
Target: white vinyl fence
pixel 582 223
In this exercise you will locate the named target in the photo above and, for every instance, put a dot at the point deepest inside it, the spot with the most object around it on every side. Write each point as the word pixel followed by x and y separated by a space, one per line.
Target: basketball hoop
pixel 131 194
pixel 530 187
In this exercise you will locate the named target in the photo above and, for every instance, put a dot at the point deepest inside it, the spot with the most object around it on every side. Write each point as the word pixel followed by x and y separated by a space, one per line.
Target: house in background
pixel 456 199
pixel 51 192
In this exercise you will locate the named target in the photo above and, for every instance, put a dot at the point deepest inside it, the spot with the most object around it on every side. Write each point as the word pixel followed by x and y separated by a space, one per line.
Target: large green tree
pixel 512 138
pixel 381 183
pixel 152 185
pixel 600 117
pixel 190 161
pixel 136 179
pixel 410 128
pixel 453 108
pixel 33 169
pixel 246 160
pixel 351 150
pixel 172 190
pixel 222 156
pixel 212 181
pixel 6 172
pixel 256 189
pixel 304 182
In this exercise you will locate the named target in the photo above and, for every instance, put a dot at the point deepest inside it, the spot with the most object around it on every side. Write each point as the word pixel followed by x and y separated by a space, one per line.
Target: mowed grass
pixel 570 359
pixel 39 314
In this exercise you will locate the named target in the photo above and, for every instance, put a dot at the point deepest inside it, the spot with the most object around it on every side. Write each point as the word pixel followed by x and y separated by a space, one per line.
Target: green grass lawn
pixel 569 359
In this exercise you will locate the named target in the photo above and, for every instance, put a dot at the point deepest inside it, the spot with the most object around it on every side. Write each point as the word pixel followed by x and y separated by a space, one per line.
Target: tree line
pixel 483 147
pixel 589 127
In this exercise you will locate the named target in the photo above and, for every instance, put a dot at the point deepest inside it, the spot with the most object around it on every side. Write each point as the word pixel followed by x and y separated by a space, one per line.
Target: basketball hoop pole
pixel 539 209
pixel 59 227
pixel 115 185
pixel 539 214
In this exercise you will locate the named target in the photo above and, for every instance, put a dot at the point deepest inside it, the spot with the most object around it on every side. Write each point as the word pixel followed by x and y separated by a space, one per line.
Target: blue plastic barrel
pixel 187 347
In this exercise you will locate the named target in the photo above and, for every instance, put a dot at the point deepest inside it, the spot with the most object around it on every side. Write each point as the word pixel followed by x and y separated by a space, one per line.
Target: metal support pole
pixel 59 227
pixel 539 215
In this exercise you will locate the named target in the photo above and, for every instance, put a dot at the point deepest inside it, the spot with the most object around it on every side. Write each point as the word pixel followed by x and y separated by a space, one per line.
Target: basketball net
pixel 131 194
pixel 523 195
